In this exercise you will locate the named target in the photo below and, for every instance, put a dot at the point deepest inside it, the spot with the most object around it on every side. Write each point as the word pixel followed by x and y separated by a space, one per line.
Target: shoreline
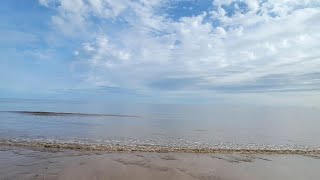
pixel 157 149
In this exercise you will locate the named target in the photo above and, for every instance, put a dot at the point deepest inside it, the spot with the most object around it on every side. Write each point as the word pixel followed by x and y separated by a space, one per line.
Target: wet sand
pixel 26 163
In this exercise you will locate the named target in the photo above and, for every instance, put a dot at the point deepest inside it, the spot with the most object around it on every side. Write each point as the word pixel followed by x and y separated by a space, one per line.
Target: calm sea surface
pixel 160 125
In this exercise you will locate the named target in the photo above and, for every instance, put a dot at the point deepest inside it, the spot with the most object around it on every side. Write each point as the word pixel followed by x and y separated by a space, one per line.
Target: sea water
pixel 160 125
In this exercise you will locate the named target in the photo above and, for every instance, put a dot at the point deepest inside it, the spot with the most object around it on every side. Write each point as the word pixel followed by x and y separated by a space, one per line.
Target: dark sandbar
pixel 48 113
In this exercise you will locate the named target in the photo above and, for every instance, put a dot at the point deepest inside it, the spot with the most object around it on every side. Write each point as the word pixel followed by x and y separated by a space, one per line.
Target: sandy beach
pixel 26 163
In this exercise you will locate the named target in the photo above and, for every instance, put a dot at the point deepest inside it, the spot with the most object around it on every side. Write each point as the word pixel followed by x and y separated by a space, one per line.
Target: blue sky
pixel 178 51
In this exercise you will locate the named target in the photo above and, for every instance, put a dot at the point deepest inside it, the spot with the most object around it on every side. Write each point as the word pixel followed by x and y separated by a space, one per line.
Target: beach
pixel 160 90
pixel 51 164
pixel 71 141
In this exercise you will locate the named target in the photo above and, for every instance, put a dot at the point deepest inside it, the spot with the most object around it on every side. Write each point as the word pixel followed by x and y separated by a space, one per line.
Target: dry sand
pixel 22 163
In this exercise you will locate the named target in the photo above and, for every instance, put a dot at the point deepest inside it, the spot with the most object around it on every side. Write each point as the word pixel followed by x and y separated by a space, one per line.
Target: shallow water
pixel 190 126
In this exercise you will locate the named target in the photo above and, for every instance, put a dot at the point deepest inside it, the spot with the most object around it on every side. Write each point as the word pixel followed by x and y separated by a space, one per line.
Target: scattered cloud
pixel 190 46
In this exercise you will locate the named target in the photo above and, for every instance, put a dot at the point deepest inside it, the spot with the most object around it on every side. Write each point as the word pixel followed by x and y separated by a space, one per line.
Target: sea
pixel 137 126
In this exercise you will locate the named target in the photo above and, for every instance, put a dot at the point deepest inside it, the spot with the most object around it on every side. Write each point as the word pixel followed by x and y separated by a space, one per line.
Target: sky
pixel 257 52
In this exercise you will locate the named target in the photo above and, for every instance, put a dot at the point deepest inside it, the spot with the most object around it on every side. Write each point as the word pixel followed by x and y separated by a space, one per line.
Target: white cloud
pixel 44 2
pixel 253 50
pixel 253 4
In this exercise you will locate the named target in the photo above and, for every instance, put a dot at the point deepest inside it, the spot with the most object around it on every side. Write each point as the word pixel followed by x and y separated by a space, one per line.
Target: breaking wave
pixel 73 145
